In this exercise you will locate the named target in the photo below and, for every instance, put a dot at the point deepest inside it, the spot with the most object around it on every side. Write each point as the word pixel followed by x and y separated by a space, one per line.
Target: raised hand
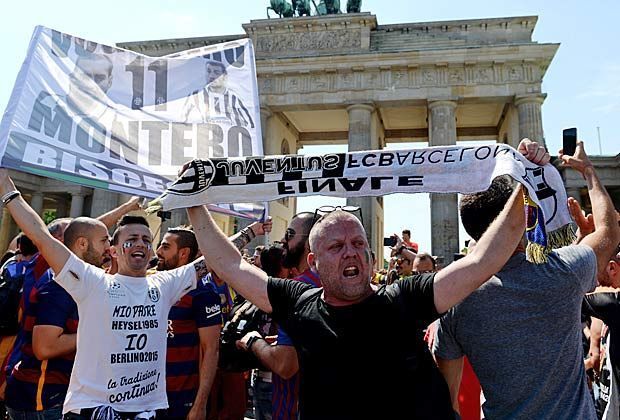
pixel 534 152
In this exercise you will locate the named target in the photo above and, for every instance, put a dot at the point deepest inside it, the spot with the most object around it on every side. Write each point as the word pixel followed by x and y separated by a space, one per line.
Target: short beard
pixel 92 257
pixel 293 256
pixel 171 264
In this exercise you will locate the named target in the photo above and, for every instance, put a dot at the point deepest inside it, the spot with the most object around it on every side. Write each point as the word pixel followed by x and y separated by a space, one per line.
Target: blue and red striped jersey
pixel 37 273
pixel 285 396
pixel 197 309
pixel 36 385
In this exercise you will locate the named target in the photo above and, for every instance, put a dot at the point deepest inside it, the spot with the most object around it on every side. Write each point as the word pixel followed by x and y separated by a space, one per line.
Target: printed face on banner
pixel 216 73
pixel 114 119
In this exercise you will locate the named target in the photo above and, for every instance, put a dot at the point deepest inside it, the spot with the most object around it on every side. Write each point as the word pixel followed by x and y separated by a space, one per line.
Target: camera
pixel 391 241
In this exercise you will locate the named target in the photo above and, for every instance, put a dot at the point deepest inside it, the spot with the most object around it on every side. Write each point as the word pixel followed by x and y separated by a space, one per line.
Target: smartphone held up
pixel 569 141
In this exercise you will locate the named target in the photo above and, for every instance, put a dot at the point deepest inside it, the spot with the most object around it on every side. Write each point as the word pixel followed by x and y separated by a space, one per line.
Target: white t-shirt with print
pixel 121 338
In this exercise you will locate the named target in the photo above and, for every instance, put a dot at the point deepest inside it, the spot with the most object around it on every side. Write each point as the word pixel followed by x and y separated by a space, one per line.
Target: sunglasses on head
pixel 325 210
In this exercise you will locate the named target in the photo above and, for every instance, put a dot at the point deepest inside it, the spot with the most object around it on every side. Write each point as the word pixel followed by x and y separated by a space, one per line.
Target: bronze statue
pixel 302 7
pixel 282 8
pixel 354 6
pixel 327 7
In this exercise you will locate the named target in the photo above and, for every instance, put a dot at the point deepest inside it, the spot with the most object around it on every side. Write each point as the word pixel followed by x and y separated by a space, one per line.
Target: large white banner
pixel 114 119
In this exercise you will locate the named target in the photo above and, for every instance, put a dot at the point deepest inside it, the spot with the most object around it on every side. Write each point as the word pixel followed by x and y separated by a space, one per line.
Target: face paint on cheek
pixel 126 246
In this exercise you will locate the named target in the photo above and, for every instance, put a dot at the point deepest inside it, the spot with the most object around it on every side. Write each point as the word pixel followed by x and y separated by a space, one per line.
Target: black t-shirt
pixel 363 360
pixel 606 307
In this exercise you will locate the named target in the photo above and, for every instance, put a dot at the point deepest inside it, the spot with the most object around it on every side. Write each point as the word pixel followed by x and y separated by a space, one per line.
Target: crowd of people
pixel 103 330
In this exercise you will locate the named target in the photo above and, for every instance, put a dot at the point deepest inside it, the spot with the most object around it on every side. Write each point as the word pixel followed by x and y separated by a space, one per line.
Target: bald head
pixel 322 226
pixel 80 227
pixel 305 220
pixel 89 240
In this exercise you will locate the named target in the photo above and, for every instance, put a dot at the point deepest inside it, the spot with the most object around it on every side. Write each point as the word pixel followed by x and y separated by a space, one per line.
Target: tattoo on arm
pixel 240 240
pixel 201 268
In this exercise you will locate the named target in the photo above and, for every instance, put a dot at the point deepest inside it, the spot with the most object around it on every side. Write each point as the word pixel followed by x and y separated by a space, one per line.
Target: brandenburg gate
pixel 343 78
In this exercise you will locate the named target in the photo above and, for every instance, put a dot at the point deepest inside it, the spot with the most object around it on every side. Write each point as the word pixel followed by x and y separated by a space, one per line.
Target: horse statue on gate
pixel 302 7
pixel 282 8
pixel 354 6
pixel 327 7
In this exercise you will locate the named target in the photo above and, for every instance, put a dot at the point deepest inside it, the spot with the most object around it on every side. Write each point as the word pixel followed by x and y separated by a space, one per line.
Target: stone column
pixel 265 116
pixel 61 206
pixel 360 138
pixel 77 205
pixel 444 207
pixel 530 116
pixel 102 202
pixel 36 202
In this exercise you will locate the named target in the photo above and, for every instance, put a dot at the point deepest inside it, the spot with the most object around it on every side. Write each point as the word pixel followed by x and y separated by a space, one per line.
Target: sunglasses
pixel 290 234
pixel 325 210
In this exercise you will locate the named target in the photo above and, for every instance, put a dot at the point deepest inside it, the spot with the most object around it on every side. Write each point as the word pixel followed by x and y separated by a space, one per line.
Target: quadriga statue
pixel 354 6
pixel 282 8
pixel 328 7
pixel 302 7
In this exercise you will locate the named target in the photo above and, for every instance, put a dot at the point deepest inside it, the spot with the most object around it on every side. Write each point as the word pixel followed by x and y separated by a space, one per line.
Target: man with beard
pixel 38 384
pixel 281 357
pixel 194 325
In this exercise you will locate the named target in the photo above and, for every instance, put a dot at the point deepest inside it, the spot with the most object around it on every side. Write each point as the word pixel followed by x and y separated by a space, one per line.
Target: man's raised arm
pixel 455 282
pixel 110 218
pixel 605 238
pixel 54 252
pixel 223 258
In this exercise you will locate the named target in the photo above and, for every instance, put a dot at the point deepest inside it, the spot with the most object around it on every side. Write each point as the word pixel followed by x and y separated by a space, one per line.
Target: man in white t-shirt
pixel 119 367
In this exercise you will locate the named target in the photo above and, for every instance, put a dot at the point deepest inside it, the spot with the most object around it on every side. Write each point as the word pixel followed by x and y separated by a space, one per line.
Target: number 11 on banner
pixel 160 68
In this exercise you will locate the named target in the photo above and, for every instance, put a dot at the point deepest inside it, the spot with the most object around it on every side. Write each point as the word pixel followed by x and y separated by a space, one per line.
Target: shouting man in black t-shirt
pixel 350 335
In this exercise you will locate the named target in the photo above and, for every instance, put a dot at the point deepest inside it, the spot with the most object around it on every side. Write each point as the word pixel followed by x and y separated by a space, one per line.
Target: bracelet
pixel 245 236
pixel 6 198
pixel 249 232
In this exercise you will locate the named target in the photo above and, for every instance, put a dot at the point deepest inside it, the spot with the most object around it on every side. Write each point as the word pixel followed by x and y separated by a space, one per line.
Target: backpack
pixel 245 317
pixel 12 276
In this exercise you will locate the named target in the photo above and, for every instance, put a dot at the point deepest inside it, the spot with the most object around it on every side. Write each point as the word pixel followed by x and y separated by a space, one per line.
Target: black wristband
pixel 251 342
pixel 6 198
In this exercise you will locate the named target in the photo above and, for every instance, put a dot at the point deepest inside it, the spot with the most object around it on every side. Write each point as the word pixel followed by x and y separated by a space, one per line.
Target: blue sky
pixel 582 83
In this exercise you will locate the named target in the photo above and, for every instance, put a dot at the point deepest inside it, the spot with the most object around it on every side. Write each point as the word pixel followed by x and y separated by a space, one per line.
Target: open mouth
pixel 350 271
pixel 138 254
